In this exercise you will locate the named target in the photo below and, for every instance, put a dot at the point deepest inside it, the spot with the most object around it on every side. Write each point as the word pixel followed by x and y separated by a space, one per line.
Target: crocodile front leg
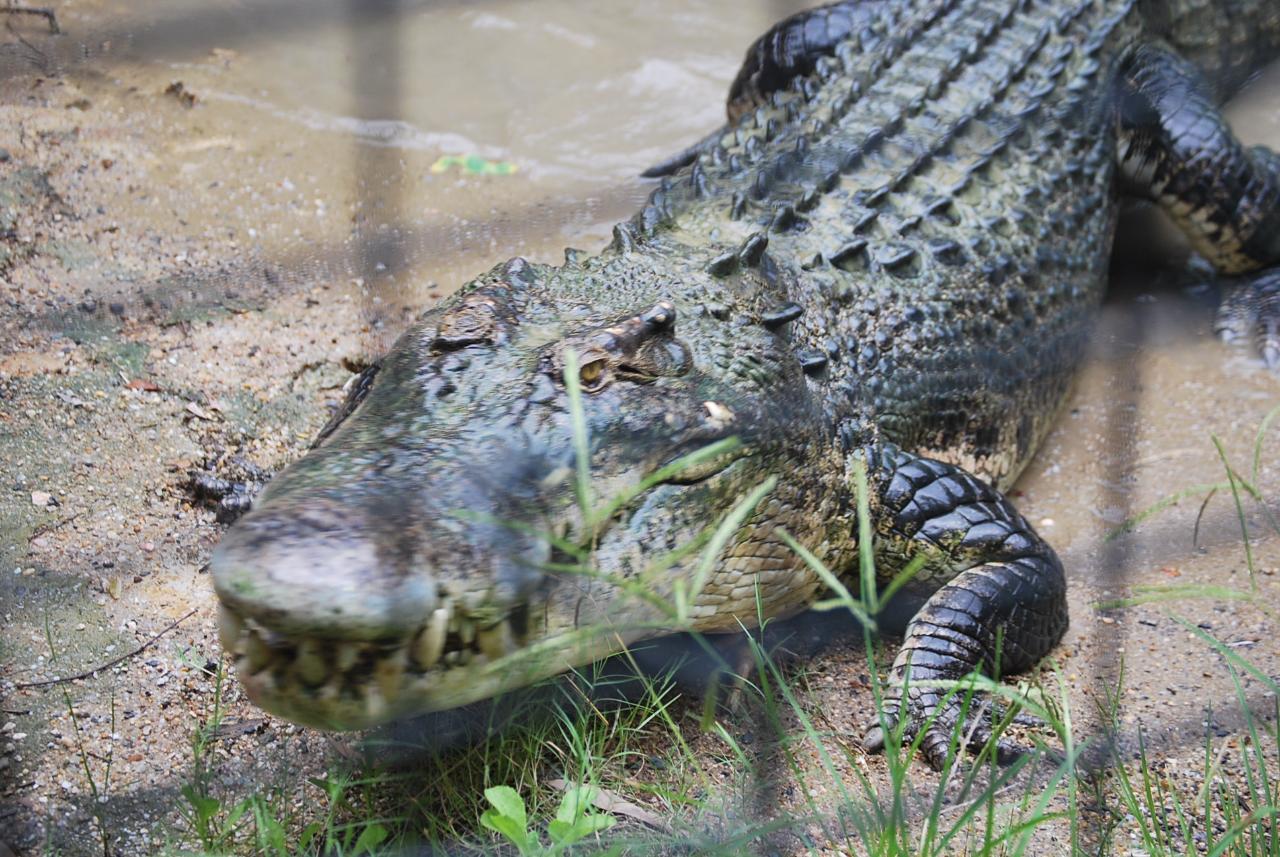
pixel 998 601
pixel 1176 148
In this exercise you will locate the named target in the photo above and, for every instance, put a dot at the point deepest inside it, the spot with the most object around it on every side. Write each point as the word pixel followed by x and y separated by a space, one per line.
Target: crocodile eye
pixel 592 375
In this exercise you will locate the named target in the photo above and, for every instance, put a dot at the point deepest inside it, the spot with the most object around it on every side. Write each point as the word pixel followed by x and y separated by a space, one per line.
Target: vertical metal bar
pixel 376 92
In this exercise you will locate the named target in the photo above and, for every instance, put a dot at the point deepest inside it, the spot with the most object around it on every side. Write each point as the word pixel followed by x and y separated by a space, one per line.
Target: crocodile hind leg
pixel 998 601
pixel 1176 148
pixel 47 14
pixel 789 50
pixel 1250 313
pixel 792 47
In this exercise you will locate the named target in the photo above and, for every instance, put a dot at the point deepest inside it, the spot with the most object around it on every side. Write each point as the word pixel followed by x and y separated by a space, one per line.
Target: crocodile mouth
pixel 458 654
pixel 344 684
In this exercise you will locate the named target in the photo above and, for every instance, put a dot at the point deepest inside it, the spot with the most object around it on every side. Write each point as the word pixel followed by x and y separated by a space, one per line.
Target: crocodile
pixel 881 271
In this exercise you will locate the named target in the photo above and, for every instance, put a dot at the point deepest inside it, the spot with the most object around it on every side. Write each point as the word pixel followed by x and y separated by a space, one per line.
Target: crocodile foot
pixel 1003 610
pixel 946 722
pixel 1249 314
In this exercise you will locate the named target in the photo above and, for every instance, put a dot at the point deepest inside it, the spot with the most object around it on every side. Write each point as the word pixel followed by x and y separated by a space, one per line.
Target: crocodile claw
pixel 941 721
pixel 1250 315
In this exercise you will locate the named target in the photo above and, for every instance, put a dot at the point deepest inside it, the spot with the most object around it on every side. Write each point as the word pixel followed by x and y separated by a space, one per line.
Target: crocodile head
pixel 430 550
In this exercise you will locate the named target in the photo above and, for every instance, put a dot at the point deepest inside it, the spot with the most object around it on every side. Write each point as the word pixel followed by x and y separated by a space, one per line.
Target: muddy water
pixel 297 212
pixel 576 93
pixel 335 117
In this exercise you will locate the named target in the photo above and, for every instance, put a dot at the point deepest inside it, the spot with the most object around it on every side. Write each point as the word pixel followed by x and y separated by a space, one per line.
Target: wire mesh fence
pixel 213 216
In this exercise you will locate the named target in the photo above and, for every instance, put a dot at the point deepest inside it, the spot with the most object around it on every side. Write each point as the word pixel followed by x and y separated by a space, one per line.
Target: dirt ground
pixel 193 261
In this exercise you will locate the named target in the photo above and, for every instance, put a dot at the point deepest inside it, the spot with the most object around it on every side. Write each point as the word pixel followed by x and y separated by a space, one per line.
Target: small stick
pixel 45 529
pixel 47 14
pixel 87 673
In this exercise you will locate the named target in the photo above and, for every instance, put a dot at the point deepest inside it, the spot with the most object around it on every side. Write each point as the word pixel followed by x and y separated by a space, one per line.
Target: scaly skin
pixel 889 259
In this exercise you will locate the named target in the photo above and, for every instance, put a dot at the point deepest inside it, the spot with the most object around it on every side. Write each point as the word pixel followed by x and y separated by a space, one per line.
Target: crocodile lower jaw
pixel 449 662
pixel 352 684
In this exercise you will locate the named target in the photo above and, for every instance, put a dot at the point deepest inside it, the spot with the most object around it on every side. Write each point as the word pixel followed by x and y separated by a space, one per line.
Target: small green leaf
pixel 574 817
pixel 560 831
pixel 370 838
pixel 237 812
pixel 206 807
pixel 506 826
pixel 307 835
pixel 270 832
pixel 567 833
pixel 593 823
pixel 507 802
pixel 575 803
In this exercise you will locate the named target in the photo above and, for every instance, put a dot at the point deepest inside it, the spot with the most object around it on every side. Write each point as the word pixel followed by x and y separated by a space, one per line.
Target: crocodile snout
pixel 346 615
pixel 321 569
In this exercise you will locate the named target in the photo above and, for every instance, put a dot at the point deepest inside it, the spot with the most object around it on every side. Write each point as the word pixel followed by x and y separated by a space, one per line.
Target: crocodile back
pixel 939 198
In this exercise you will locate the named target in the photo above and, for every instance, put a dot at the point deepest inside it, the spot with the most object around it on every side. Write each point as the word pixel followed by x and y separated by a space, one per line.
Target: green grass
pixel 536 785
pixel 1219 819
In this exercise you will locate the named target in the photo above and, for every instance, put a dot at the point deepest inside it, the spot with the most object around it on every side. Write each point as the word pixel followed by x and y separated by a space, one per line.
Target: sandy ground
pixel 190 273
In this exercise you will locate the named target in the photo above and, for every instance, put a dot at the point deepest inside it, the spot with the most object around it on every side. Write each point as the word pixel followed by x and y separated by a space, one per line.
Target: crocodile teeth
pixel 310 663
pixel 556 477
pixel 265 682
pixel 256 652
pixel 229 628
pixel 390 675
pixel 331 691
pixel 496 641
pixel 466 631
pixel 345 656
pixel 429 646
pixel 374 705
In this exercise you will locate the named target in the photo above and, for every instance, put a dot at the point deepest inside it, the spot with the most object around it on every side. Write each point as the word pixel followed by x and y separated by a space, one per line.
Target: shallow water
pixel 339 113
pixel 575 92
